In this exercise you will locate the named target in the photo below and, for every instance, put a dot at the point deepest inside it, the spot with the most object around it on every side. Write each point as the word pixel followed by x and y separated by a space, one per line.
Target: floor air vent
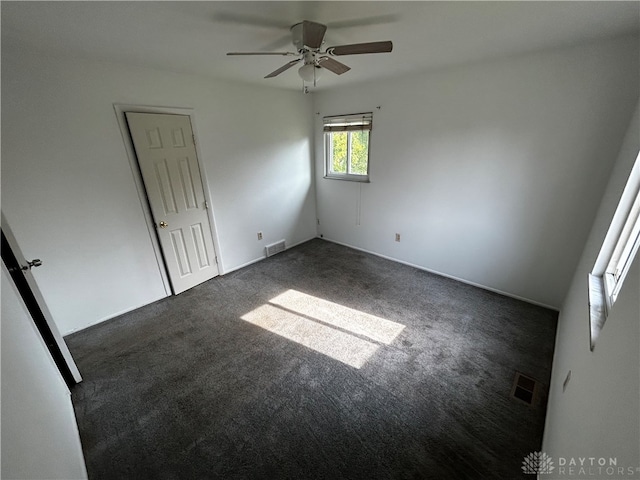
pixel 275 248
pixel 526 389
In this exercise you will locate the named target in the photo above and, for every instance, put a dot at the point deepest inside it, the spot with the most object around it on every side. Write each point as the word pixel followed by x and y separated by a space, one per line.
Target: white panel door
pixel 167 156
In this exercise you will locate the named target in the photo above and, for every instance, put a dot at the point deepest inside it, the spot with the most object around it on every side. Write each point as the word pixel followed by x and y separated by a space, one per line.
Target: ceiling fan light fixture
pixel 308 71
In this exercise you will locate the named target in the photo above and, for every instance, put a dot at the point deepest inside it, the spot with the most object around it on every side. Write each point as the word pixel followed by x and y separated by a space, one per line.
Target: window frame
pixel 346 124
pixel 623 254
pixel 618 251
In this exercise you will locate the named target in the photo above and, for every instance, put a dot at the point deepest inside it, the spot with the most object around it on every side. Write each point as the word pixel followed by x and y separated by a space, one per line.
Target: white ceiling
pixel 193 37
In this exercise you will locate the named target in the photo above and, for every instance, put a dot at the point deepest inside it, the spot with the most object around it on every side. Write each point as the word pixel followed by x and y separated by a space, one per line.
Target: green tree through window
pixel 359 152
pixel 339 149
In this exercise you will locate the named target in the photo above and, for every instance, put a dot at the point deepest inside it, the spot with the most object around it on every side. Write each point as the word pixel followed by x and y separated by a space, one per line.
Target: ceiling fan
pixel 307 38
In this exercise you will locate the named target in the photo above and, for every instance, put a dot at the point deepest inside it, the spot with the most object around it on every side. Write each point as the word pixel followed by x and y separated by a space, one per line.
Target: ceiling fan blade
pixel 333 65
pixel 284 54
pixel 283 68
pixel 360 48
pixel 313 33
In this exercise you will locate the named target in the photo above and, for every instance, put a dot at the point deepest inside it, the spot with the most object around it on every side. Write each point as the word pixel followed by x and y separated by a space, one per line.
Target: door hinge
pixel 216 260
pixel 193 137
pixel 206 205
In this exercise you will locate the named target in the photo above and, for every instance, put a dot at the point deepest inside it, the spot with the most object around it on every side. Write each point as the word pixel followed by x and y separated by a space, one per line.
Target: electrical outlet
pixel 259 235
pixel 397 237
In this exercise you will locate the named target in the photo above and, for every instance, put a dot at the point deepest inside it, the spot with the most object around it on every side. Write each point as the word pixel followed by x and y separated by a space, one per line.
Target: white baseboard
pixel 238 267
pixel 259 259
pixel 109 317
pixel 127 310
pixel 462 280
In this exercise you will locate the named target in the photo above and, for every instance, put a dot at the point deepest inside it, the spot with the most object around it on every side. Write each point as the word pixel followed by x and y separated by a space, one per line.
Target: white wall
pixel 487 171
pixel 68 190
pixel 599 413
pixel 40 437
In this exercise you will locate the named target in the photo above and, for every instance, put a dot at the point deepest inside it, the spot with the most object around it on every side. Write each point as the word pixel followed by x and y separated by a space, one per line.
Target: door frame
pixel 120 110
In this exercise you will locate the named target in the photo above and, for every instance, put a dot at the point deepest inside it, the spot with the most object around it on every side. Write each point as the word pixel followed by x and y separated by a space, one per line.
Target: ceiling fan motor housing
pixel 310 58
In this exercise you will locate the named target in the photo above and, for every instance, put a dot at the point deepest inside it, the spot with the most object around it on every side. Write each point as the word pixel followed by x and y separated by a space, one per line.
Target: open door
pixel 20 270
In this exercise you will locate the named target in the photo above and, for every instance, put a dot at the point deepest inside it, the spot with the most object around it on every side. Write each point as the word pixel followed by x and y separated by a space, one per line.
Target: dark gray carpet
pixel 185 388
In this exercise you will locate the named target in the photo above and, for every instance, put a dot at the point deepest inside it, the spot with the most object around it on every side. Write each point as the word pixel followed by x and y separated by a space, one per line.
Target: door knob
pixel 163 224
pixel 36 262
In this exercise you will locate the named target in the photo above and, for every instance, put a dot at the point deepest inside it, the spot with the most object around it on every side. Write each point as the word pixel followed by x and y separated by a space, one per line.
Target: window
pixel 616 255
pixel 346 147
pixel 623 254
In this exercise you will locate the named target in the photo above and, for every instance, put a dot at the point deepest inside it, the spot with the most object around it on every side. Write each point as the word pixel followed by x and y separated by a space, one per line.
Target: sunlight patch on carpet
pixel 326 327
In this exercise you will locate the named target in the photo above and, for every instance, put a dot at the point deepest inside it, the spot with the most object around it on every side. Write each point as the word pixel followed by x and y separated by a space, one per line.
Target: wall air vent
pixel 275 248
pixel 526 389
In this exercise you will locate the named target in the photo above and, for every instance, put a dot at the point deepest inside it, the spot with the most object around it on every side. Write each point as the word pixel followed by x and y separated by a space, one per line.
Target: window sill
pixel 349 178
pixel 597 306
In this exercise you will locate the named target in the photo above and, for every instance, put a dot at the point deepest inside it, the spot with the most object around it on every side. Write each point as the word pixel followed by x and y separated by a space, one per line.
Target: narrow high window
pixel 616 255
